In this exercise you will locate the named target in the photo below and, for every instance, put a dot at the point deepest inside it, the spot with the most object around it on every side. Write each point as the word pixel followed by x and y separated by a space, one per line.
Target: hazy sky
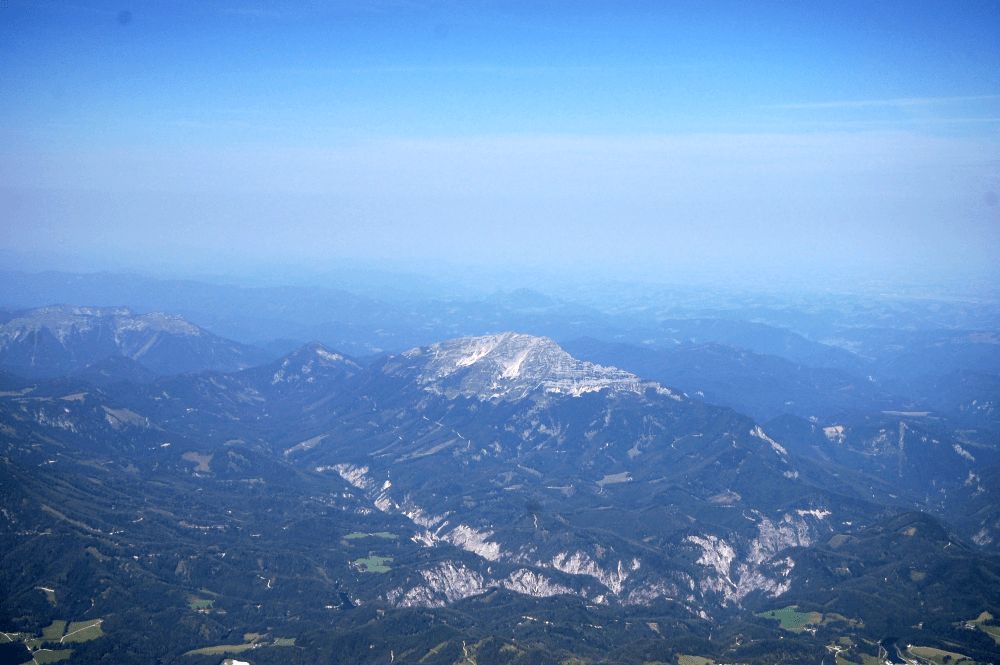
pixel 623 136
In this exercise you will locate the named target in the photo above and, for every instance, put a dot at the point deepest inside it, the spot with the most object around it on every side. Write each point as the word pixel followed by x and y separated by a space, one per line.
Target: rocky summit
pixel 512 366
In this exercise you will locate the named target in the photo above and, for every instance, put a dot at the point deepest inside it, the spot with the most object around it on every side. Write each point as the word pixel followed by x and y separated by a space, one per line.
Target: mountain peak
pixel 316 350
pixel 305 363
pixel 510 366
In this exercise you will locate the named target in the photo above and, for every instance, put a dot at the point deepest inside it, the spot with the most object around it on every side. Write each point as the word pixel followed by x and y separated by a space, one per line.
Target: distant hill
pixel 761 385
pixel 63 339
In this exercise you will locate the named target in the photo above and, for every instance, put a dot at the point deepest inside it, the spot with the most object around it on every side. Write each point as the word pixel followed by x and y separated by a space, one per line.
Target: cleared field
pixel 434 651
pixel 791 619
pixel 50 594
pixel 252 642
pixel 54 631
pixel 197 603
pixel 992 631
pixel 57 632
pixel 838 539
pixel 940 656
pixel 834 617
pixel 615 479
pixel 684 659
pixel 373 564
pixel 386 535
pixel 981 623
pixel 51 655
pixel 221 649
pixel 83 631
pixel 202 462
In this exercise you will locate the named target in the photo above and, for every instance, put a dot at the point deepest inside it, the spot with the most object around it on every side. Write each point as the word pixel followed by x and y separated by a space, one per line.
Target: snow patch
pixel 758 432
pixel 962 452
pixel 818 513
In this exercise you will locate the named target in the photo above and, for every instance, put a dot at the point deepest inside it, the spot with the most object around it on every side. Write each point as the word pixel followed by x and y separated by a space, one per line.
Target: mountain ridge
pixel 474 474
pixel 511 365
pixel 60 339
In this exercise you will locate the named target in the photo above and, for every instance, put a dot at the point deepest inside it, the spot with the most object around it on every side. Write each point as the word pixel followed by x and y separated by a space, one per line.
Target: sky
pixel 606 138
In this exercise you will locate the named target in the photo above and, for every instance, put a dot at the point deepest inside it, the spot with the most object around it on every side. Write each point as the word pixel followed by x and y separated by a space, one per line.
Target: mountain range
pixel 492 493
pixel 57 340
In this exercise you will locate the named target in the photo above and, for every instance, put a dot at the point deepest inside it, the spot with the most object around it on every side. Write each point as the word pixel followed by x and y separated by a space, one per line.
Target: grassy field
pixel 379 534
pixel 938 656
pixel 838 539
pixel 834 617
pixel 992 631
pixel 615 479
pixel 51 655
pixel 435 650
pixel 252 641
pixel 83 631
pixel 53 631
pixel 197 603
pixel 219 649
pixel 980 622
pixel 59 631
pixel 374 564
pixel 684 659
pixel 50 594
pixel 791 619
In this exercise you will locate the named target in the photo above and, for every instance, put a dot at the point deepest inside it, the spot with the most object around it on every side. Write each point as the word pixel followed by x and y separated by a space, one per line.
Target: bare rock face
pixel 444 583
pixel 512 366
pixel 451 581
pixel 760 565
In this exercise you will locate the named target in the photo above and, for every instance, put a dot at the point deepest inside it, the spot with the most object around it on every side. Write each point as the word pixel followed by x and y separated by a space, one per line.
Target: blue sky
pixel 654 135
